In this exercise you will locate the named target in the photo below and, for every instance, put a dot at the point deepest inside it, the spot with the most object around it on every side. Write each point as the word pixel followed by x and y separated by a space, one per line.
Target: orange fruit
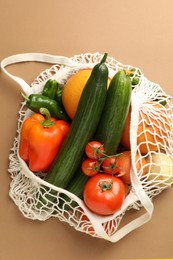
pixel 153 128
pixel 124 163
pixel 72 90
pixel 141 165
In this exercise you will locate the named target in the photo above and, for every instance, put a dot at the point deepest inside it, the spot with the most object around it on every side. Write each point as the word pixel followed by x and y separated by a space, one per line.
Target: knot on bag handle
pixel 38 57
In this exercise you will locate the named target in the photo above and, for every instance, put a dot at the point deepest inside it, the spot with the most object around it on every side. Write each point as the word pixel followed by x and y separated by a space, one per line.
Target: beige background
pixel 134 32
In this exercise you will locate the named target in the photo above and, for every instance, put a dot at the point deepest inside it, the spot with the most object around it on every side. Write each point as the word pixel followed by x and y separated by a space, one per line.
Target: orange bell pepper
pixel 40 140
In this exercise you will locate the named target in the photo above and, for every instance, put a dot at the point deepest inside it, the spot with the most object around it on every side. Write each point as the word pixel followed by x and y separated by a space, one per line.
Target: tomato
pixel 104 194
pixel 90 167
pixel 94 150
pixel 64 127
pixel 125 166
pixel 111 165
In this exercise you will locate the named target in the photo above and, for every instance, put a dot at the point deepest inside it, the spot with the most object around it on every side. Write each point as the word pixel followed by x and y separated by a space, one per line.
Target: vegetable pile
pixel 89 155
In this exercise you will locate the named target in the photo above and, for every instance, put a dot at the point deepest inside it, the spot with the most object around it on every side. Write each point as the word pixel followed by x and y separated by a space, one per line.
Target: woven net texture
pixel 39 200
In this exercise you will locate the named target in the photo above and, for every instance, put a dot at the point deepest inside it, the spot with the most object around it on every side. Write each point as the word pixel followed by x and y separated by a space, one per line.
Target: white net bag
pixel 151 141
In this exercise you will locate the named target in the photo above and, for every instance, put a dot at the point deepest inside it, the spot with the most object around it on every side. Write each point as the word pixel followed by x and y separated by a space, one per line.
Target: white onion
pixel 161 169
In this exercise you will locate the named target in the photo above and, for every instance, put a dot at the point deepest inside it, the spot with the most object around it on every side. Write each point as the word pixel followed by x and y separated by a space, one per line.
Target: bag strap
pixel 136 183
pixel 38 57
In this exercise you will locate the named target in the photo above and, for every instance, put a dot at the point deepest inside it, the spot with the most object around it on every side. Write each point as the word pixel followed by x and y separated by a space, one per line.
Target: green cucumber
pixel 83 126
pixel 111 125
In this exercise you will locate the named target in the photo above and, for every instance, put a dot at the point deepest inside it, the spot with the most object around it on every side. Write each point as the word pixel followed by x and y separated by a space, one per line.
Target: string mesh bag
pixel 151 140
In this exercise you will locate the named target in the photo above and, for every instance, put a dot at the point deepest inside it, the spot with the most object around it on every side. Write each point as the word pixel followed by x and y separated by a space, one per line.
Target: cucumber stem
pixel 104 58
pixel 129 73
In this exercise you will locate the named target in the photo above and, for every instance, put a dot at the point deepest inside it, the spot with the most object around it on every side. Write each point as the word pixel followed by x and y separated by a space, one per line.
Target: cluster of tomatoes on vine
pixel 103 193
pixel 97 161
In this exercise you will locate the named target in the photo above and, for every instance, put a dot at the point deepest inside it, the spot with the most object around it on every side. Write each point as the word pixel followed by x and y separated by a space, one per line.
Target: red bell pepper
pixel 40 140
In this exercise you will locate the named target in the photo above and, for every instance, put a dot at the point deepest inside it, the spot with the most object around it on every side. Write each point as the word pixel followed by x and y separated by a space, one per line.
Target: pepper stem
pixel 47 122
pixel 104 58
pixel 25 97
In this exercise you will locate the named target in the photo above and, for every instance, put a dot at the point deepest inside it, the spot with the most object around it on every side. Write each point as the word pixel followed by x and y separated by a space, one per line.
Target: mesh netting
pixel 152 153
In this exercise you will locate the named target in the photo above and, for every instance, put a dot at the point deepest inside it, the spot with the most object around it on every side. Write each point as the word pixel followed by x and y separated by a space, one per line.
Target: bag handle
pixel 140 193
pixel 39 57
pixel 136 183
